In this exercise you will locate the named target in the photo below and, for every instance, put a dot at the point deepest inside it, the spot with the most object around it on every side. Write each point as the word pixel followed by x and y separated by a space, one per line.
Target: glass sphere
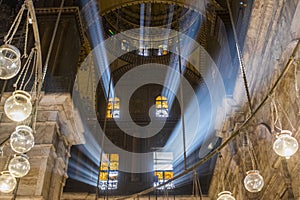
pixel 225 195
pixel 19 166
pixel 22 140
pixel 18 106
pixel 7 182
pixel 10 61
pixel 253 182
pixel 285 145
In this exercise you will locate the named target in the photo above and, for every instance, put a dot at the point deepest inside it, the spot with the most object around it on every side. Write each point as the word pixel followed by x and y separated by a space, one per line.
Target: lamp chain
pixel 240 57
pixel 286 116
pixel 52 40
pixel 32 70
pixel 296 63
pixel 26 35
pixel 24 69
pixel 13 29
pixel 7 162
pixel 295 78
pixel 197 192
pixel 277 120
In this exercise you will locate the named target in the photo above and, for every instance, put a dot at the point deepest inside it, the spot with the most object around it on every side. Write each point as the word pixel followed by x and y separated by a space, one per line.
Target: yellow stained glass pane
pixel 158 98
pixel 104 166
pixel 109 106
pixel 103 176
pixel 109 114
pixel 116 99
pixel 165 104
pixel 114 165
pixel 158 104
pixel 163 98
pixel 159 175
pixel 114 157
pixel 117 105
pixel 169 175
pixel 105 157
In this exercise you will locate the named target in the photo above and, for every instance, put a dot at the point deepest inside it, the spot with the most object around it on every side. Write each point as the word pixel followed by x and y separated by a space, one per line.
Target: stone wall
pixel 270 40
pixel 56 131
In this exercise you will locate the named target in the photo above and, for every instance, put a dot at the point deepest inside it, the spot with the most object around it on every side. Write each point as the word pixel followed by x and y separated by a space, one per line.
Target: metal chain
pixel 286 116
pixel 276 114
pixel 32 70
pixel 14 26
pixel 196 186
pixel 295 77
pixel 25 67
pixel 26 35
pixel 7 161
pixel 52 41
pixel 240 57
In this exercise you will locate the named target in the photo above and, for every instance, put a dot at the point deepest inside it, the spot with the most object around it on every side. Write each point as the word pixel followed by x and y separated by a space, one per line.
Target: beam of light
pixel 185 49
pixel 94 23
pixel 85 175
pixel 142 21
pixel 147 24
pixel 169 23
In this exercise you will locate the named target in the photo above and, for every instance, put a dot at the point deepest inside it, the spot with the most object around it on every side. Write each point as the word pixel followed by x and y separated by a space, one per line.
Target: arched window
pixel 163 169
pixel 162 107
pixel 113 108
pixel 109 171
pixel 125 45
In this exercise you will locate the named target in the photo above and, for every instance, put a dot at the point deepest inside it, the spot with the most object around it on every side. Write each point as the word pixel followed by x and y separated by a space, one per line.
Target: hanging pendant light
pixel 10 61
pixel 225 195
pixel 19 166
pixel 285 145
pixel 7 182
pixel 22 140
pixel 253 182
pixel 18 106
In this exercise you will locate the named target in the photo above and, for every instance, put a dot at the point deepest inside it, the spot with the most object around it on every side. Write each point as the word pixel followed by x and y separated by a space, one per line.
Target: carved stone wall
pixel 270 40
pixel 56 131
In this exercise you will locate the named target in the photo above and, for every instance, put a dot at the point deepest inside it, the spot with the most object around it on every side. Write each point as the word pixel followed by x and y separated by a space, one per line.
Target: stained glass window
pixel 162 50
pixel 162 107
pixel 163 169
pixel 113 108
pixel 125 45
pixel 109 171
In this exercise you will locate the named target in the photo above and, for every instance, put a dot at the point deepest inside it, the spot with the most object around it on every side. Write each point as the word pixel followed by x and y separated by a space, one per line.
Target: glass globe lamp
pixel 22 140
pixel 285 145
pixel 18 106
pixel 10 61
pixel 253 182
pixel 7 182
pixel 225 195
pixel 19 166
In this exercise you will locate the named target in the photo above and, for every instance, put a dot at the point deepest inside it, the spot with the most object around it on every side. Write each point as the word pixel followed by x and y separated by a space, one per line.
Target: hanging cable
pixel 197 192
pixel 277 120
pixel 181 92
pixel 14 27
pixel 52 40
pixel 240 57
pixel 24 69
pixel 26 34
pixel 243 70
